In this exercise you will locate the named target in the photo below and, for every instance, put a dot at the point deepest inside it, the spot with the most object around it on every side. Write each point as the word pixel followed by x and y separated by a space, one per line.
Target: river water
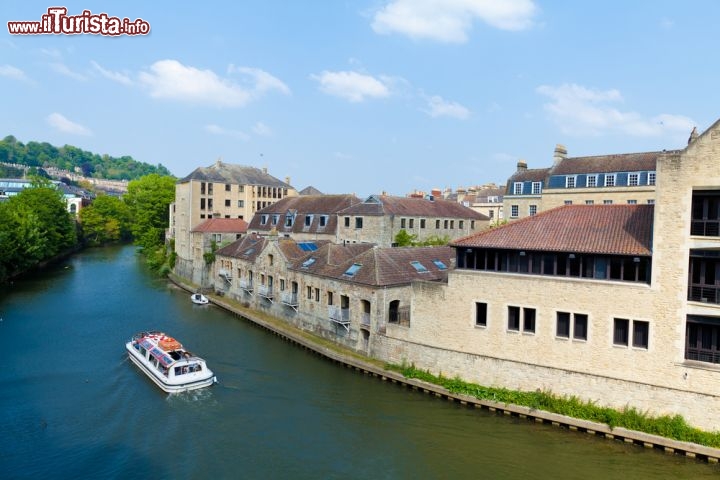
pixel 72 405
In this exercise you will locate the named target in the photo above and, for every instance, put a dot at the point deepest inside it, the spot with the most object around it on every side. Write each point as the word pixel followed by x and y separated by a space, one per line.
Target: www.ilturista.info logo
pixel 58 22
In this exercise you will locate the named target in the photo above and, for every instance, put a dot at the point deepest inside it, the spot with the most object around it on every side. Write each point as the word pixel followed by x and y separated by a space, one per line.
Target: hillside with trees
pixel 42 155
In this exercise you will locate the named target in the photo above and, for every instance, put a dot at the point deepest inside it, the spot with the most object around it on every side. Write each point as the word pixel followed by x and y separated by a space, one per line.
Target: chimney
pixel 287 180
pixel 264 169
pixel 560 153
pixel 521 165
pixel 435 192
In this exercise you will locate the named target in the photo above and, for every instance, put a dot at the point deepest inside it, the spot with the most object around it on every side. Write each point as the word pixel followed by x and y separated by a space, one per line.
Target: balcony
pixel 704 293
pixel 290 299
pixel 365 321
pixel 226 275
pixel 265 291
pixel 705 228
pixel 340 316
pixel 246 285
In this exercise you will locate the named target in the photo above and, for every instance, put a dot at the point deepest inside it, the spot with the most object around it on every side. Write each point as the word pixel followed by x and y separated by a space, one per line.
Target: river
pixel 72 405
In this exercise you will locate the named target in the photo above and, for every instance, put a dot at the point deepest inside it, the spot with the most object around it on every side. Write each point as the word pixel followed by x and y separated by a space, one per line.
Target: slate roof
pixel 222 225
pixel 528 175
pixel 599 229
pixel 310 191
pixel 247 248
pixel 301 206
pixel 221 172
pixel 378 266
pixel 379 205
pixel 626 162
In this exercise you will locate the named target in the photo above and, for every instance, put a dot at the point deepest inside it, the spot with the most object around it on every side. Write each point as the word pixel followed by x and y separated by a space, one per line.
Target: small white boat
pixel 164 360
pixel 199 299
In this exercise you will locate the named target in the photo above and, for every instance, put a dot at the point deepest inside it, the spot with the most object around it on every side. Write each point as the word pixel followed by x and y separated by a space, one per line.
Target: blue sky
pixel 367 96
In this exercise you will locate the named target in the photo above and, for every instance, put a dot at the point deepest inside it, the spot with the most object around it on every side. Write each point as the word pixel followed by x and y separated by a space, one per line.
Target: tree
pixel 106 220
pixel 148 199
pixel 404 239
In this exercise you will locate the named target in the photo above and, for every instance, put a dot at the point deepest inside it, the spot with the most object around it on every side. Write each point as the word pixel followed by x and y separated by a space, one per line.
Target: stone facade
pixel 660 375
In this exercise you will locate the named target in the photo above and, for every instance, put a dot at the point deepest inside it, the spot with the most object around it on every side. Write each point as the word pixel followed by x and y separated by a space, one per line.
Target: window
pixel 633 179
pixel 422 223
pixel 411 223
pixel 330 298
pixel 514 318
pixel 289 219
pixel 241 203
pixel 263 219
pixel 323 220
pixel 491 214
pixel 610 180
pixel 317 294
pixel 271 259
pixel 532 210
pixel 651 178
pixel 536 188
pixel 402 223
pixel 702 339
pixel 418 266
pixel 309 293
pixel 440 265
pixel 308 220
pixel 202 204
pixel 514 211
pixel 517 188
pixel 480 314
pixel 308 262
pixel 282 284
pixel 567 202
pixel 607 202
pixel 227 202
pixel 569 182
pixel 275 219
pixel 589 202
pixel 632 202
pixel 352 270
pixel 562 328
pixel 227 187
pixel 347 222
pixel 580 326
pixel 437 224
pixel 241 188
pixel 592 180
pixel 621 333
pixel 651 201
pixel 358 222
pixel 445 223
pixel 529 320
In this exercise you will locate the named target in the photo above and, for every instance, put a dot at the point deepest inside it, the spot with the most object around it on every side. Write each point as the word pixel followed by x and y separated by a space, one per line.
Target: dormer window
pixel 323 220
pixel 263 219
pixel 517 188
pixel 308 220
pixel 289 218
pixel 275 219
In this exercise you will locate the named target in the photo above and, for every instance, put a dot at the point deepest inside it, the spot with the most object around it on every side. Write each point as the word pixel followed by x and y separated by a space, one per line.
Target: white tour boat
pixel 167 363
pixel 199 299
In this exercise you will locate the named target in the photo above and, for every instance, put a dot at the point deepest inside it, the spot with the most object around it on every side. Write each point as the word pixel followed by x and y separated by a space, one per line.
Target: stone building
pixel 346 293
pixel 221 190
pixel 603 179
pixel 211 234
pixel 304 217
pixel 380 218
pixel 615 304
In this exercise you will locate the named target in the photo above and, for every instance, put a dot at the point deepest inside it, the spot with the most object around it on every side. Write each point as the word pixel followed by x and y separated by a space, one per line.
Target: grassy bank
pixel 674 427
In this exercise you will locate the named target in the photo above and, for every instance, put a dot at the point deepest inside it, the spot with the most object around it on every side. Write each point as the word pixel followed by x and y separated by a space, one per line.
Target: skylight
pixel 248 251
pixel 440 265
pixel 353 269
pixel 419 266
pixel 307 246
pixel 308 262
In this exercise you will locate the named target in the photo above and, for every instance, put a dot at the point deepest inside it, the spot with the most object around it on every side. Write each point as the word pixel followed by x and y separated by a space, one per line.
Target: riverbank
pixel 368 366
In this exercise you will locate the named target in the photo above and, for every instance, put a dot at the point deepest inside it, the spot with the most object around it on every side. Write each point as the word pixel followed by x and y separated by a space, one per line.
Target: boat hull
pixel 206 380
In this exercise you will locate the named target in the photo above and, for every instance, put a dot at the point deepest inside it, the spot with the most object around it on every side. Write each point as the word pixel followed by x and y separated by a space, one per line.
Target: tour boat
pixel 167 363
pixel 199 299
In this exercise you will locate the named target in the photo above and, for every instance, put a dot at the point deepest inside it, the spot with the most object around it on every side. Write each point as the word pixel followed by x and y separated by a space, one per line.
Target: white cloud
pixel 439 107
pixel 261 129
pixel 583 111
pixel 262 81
pixel 352 86
pixel 15 73
pixel 114 76
pixel 59 122
pixel 217 130
pixel 451 20
pixel 63 69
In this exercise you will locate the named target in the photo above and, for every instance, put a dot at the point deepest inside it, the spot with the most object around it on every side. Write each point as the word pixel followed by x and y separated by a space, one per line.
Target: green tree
pixel 148 199
pixel 404 239
pixel 106 220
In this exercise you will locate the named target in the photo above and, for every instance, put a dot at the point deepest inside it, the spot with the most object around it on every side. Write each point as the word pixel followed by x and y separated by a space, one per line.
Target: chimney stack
pixel 521 166
pixel 287 180
pixel 560 153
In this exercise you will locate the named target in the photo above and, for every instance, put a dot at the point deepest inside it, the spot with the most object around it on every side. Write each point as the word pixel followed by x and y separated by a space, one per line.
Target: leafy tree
pixel 106 220
pixel 404 239
pixel 148 200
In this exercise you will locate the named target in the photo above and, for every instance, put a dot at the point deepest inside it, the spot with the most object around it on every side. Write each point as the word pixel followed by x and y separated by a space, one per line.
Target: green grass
pixel 674 427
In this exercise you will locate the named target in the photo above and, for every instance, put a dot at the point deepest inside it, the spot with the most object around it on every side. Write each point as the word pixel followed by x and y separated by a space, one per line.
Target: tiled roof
pixel 310 191
pixel 626 162
pixel 247 248
pixel 378 205
pixel 222 225
pixel 378 266
pixel 601 229
pixel 220 172
pixel 301 206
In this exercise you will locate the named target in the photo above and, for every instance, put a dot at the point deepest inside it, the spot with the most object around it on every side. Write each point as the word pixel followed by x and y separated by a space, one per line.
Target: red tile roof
pixel 378 205
pixel 222 225
pixel 601 229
